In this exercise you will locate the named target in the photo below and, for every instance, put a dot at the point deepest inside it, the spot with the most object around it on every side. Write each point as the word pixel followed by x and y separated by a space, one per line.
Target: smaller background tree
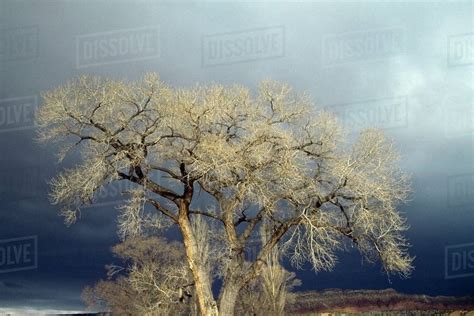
pixel 154 281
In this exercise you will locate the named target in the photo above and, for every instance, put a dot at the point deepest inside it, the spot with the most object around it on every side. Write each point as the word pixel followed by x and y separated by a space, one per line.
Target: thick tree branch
pixel 152 186
pixel 163 210
pixel 207 214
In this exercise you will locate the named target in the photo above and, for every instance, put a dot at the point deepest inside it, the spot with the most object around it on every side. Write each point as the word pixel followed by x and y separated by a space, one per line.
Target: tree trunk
pixel 206 302
pixel 228 297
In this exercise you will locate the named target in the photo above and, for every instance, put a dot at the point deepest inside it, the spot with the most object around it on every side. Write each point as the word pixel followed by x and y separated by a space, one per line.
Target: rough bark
pixel 231 286
pixel 228 298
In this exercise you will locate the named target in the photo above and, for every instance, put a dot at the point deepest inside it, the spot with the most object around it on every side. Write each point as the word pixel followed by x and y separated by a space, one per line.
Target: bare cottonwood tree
pixel 256 156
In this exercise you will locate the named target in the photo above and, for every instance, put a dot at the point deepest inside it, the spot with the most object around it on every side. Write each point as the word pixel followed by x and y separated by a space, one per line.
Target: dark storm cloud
pixel 11 285
pixel 404 67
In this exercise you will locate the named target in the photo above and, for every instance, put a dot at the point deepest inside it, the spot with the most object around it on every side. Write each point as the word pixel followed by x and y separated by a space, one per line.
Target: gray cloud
pixel 365 56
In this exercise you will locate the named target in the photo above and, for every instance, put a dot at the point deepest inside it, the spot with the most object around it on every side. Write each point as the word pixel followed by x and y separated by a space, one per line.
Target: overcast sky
pixel 403 67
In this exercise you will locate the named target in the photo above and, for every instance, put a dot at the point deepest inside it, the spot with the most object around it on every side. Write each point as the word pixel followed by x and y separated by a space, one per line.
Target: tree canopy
pixel 267 159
